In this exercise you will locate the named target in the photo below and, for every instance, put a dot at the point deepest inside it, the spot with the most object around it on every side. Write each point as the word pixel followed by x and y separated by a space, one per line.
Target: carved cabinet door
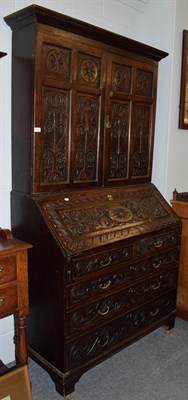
pixel 130 115
pixel 69 100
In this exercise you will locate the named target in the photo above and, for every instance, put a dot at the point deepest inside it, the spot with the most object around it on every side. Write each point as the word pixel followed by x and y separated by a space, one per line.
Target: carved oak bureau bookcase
pixel 104 263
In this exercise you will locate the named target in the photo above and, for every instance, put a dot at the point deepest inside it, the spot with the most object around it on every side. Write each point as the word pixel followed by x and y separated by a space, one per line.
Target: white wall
pixel 155 22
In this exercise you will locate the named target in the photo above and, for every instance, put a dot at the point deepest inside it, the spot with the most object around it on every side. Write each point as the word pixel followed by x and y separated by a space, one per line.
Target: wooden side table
pixel 14 287
pixel 180 206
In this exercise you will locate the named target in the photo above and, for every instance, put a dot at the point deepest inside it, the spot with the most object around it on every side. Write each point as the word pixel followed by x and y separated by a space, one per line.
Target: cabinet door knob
pixel 2 300
pixel 108 123
pixel 111 93
pixel 1 270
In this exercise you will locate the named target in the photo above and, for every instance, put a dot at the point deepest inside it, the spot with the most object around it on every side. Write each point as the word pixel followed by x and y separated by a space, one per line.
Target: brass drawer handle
pixel 105 264
pixel 155 287
pixel 1 300
pixel 104 312
pixel 105 285
pixel 1 270
pixel 157 265
pixel 159 243
pixel 154 313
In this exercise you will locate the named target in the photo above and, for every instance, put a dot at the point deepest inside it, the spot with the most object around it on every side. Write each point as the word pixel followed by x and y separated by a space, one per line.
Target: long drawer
pixel 107 308
pixel 81 266
pixel 108 338
pixel 128 273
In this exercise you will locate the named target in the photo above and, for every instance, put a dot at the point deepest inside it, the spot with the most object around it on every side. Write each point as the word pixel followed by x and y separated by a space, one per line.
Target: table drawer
pixel 111 307
pixel 107 338
pixel 123 276
pixel 7 269
pixel 8 299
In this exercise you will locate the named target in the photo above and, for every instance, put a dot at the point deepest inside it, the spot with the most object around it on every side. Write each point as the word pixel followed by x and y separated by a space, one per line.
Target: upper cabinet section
pixel 83 104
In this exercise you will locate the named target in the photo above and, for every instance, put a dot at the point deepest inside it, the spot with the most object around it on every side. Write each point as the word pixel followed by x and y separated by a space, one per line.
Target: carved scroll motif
pixel 141 141
pixel 89 69
pixel 119 140
pixel 82 291
pixel 86 139
pixel 123 301
pixel 121 78
pixel 131 323
pixel 144 83
pixel 55 137
pixel 57 61
pixel 132 271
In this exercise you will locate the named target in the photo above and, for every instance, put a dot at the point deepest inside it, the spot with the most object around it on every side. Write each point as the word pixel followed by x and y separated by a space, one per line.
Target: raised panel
pixel 57 61
pixel 89 70
pixel 117 141
pixel 86 138
pixel 144 83
pixel 55 137
pixel 141 140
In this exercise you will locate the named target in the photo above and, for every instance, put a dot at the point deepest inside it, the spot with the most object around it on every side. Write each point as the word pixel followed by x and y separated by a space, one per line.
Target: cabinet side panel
pixel 22 107
pixel 45 323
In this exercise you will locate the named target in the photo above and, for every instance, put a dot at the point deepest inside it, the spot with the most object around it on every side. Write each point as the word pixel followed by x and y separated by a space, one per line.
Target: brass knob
pixel 111 93
pixel 1 270
pixel 108 123
pixel 1 300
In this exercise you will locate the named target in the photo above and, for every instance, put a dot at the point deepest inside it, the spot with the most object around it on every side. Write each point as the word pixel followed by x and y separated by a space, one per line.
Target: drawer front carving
pixel 157 243
pixel 7 269
pixel 8 300
pixel 82 267
pixel 106 338
pixel 110 307
pixel 123 276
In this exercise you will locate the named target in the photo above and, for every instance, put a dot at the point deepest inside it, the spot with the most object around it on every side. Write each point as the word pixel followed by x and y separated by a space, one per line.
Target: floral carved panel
pixel 55 144
pixel 86 140
pixel 142 141
pixel 144 83
pixel 119 140
pixel 89 69
pixel 57 61
pixel 121 78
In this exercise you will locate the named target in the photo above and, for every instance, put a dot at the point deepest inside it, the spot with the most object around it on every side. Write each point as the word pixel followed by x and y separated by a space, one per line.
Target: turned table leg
pixel 22 356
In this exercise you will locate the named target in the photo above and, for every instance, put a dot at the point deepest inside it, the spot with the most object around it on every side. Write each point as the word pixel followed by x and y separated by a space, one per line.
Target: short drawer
pixel 84 266
pixel 157 243
pixel 110 307
pixel 125 275
pixel 105 339
pixel 7 269
pixel 8 299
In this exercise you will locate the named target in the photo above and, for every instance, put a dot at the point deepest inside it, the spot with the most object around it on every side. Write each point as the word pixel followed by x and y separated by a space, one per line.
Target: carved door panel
pixel 69 99
pixel 142 127
pixel 130 97
pixel 117 120
pixel 87 132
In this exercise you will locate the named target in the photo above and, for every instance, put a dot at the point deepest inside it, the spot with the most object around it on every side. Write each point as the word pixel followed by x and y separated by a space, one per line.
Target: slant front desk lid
pixel 83 220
